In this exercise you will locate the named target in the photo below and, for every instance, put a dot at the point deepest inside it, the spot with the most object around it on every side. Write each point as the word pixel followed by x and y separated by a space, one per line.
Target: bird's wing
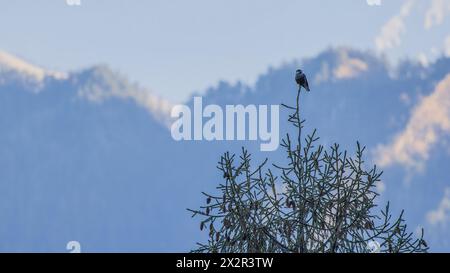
pixel 306 84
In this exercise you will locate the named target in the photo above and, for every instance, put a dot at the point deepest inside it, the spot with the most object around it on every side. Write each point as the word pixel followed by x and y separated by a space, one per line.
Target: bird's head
pixel 299 71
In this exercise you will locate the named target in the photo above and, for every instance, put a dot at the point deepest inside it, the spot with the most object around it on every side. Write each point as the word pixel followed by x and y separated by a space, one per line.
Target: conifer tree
pixel 321 201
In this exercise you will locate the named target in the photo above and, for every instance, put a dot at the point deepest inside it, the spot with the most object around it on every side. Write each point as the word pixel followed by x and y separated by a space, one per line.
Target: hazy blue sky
pixel 175 47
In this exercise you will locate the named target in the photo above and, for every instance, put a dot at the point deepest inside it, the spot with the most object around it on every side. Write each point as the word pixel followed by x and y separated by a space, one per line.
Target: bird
pixel 301 80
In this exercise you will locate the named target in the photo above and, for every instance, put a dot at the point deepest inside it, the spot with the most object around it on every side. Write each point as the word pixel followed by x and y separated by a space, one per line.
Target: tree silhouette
pixel 322 200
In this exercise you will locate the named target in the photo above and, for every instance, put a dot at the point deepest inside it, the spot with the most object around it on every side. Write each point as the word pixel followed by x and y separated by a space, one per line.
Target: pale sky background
pixel 176 47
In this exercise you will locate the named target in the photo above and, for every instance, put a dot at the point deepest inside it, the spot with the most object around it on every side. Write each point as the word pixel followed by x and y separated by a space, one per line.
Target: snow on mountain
pixel 12 64
pixel 428 126
pixel 99 83
pixel 95 84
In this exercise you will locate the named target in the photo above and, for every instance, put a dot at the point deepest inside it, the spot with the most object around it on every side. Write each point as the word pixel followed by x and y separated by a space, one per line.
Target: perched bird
pixel 301 80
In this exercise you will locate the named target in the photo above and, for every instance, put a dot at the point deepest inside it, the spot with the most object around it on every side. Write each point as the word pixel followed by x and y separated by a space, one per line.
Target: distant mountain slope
pixel 368 103
pixel 80 159
pixel 88 156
